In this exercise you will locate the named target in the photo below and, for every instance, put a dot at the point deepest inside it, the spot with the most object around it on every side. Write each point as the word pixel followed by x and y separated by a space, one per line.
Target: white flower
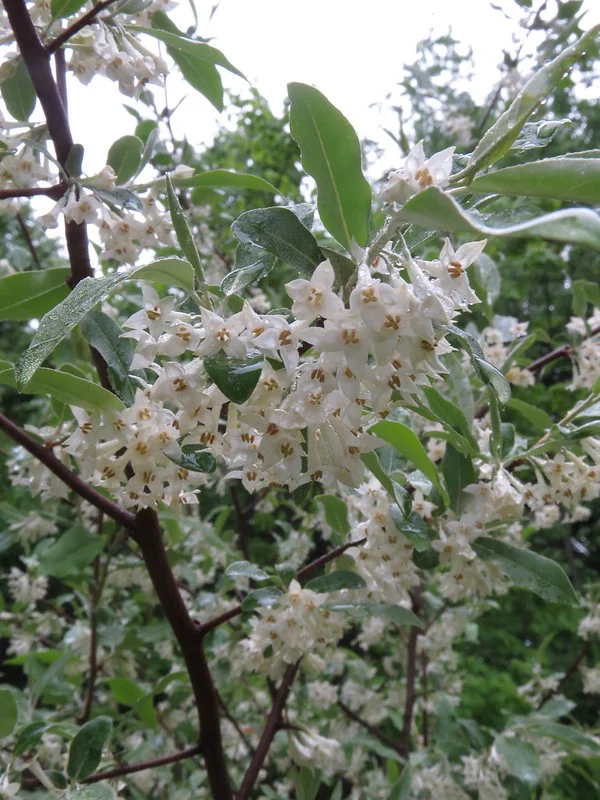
pixel 450 270
pixel 315 298
pixel 417 174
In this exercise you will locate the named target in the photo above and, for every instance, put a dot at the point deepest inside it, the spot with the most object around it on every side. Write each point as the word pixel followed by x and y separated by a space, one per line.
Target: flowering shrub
pixel 245 544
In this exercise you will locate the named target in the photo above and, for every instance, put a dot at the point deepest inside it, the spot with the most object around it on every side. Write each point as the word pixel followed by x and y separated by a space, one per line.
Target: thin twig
pixel 128 769
pixel 28 239
pixel 300 575
pixel 411 674
pixel 373 729
pixel 44 454
pixel 242 523
pixel 235 724
pixel 82 22
pixel 268 733
pixel 568 674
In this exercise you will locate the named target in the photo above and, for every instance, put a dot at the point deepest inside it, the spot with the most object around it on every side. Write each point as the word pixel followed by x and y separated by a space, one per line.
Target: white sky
pixel 352 50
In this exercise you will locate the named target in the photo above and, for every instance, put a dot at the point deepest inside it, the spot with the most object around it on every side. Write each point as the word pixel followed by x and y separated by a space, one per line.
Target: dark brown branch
pixel 37 60
pixel 82 22
pixel 44 454
pixel 425 720
pixel 147 534
pixel 53 192
pixel 411 675
pixel 269 732
pixel 568 674
pixel 28 239
pixel 93 661
pixel 300 575
pixel 128 769
pixel 372 729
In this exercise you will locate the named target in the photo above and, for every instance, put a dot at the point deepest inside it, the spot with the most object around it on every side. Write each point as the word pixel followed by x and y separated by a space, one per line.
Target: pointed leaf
pixel 405 441
pixel 335 581
pixel 244 569
pixel 336 512
pixel 331 154
pixel 398 614
pixel 261 597
pixel 458 472
pixel 528 570
pixel 433 209
pixel 8 712
pixel 66 388
pixel 521 757
pixel 64 8
pixel 183 232
pixel 415 529
pixel 567 735
pixel 572 179
pixel 104 335
pixel 125 157
pixel 18 93
pixel 60 321
pixel 71 553
pixel 86 748
pixel 235 377
pixel 279 231
pixel 498 139
pixel 193 457
pixel 26 295
pixel 226 178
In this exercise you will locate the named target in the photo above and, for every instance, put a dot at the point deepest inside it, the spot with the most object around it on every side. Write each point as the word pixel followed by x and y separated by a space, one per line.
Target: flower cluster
pixel 326 376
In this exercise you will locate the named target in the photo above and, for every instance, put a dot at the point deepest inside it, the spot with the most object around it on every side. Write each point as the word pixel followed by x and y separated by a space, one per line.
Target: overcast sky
pixel 352 50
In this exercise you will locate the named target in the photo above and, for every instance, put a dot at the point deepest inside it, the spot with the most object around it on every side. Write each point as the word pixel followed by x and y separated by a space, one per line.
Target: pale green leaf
pixel 29 295
pixel 528 570
pixel 8 712
pixel 330 152
pixel 336 512
pixel 336 581
pixel 125 157
pixel 86 748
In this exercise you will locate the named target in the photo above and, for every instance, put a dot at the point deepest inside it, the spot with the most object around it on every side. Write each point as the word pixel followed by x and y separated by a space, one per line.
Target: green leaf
pixel 261 597
pixel 402 616
pixel 127 692
pixel 71 553
pixel 120 198
pixel 405 441
pixel 279 231
pixel 66 388
pixel 307 784
pixel 402 789
pixel 184 232
pixel 451 415
pixel 86 748
pixel 244 569
pixel 584 292
pixel 434 209
pixel 98 791
pixel 8 712
pixel 528 570
pixel 227 179
pixel 396 492
pixel 64 8
pixel 458 472
pixel 104 335
pixel 60 320
pixel 196 60
pixel 18 93
pixel 488 275
pixel 166 31
pixel 27 295
pixel 498 139
pixel 576 180
pixel 336 512
pixel 31 735
pixel 74 162
pixel 193 457
pixel 237 280
pixel 235 377
pixel 414 528
pixel 331 154
pixel 125 157
pixel 567 735
pixel 335 581
pixel 538 134
pixel 521 757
